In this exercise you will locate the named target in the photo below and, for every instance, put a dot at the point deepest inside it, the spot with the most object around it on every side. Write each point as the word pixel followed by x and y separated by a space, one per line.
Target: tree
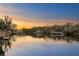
pixel 6 24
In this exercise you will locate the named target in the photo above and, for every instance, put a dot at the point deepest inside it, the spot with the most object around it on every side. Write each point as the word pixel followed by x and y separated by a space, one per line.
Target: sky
pixel 28 15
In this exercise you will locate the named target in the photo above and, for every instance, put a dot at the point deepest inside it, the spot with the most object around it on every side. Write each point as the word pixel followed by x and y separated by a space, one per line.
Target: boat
pixel 38 32
pixel 54 33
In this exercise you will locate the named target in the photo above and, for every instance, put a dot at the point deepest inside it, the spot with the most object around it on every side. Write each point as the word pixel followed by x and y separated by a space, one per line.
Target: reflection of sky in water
pixel 34 46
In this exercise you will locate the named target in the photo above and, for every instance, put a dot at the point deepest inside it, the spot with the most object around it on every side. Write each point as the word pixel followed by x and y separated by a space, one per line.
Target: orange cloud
pixel 6 11
pixel 29 23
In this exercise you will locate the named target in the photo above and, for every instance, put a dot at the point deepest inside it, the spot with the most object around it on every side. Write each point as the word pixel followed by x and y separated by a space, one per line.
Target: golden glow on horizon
pixel 29 23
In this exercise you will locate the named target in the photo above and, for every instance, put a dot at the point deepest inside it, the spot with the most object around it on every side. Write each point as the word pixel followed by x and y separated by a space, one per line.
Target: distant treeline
pixel 69 29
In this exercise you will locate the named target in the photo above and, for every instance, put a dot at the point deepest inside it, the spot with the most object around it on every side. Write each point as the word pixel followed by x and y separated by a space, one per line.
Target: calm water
pixel 34 46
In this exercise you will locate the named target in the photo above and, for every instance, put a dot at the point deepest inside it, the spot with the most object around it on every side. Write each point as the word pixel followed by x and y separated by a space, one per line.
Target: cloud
pixel 31 22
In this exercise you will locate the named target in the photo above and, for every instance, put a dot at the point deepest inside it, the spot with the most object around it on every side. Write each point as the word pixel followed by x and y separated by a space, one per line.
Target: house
pixel 56 33
pixel 38 32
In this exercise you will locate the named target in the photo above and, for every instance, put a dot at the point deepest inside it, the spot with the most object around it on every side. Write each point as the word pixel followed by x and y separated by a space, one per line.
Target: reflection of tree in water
pixel 1 48
pixel 65 38
pixel 5 44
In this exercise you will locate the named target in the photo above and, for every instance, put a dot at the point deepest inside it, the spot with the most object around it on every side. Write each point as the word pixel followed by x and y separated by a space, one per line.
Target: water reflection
pixel 51 37
pixel 5 44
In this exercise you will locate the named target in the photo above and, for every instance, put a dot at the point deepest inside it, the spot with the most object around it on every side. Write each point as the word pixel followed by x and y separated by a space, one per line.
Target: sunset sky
pixel 31 15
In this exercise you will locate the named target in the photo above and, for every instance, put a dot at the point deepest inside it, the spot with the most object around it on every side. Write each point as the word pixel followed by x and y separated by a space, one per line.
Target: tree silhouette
pixel 7 25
